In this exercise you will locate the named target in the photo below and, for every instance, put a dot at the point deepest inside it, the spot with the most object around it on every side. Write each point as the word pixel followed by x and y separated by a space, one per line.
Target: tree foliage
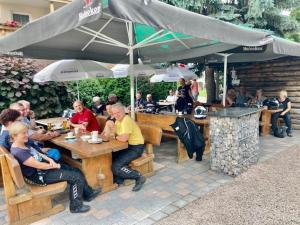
pixel 261 14
pixel 16 84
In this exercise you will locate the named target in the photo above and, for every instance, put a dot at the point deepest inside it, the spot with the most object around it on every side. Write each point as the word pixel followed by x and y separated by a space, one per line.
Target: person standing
pixel 127 131
pixel 184 96
pixel 195 90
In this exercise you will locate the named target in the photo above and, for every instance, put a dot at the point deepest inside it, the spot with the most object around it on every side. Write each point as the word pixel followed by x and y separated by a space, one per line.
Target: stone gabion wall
pixel 234 143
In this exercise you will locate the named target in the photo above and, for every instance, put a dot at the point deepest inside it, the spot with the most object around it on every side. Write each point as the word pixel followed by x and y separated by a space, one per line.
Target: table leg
pixel 182 154
pixel 206 138
pixel 266 121
pixel 99 167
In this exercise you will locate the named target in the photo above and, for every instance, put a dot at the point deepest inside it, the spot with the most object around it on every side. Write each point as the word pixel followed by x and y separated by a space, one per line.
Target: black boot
pixel 277 134
pixel 139 182
pixel 93 195
pixel 82 209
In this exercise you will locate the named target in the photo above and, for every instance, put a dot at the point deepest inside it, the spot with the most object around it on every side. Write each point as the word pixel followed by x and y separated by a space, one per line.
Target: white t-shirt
pixel 171 98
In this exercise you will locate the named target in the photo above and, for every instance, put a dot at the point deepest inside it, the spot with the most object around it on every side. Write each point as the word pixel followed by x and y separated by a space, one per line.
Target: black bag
pixel 272 104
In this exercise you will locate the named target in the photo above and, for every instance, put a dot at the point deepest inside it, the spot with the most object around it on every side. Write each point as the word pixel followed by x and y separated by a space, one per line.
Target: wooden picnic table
pixel 165 120
pixel 95 159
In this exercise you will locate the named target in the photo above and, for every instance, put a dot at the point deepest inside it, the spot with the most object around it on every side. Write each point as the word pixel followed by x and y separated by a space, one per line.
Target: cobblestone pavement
pixel 171 188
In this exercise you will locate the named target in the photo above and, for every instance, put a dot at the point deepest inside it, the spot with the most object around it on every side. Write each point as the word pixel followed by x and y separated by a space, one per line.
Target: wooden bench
pixel 152 135
pixel 26 203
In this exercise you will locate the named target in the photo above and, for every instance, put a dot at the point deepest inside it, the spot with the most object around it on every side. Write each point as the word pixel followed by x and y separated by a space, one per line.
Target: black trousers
pixel 121 160
pixel 79 188
pixel 286 118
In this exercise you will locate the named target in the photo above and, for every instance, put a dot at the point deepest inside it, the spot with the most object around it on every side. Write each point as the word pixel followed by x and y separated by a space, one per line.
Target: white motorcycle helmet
pixel 200 112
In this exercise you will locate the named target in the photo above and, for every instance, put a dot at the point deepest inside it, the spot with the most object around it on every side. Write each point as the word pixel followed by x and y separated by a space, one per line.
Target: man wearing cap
pixel 84 118
pixel 98 107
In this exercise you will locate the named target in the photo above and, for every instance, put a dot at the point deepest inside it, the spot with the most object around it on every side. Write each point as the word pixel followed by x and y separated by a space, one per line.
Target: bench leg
pixel 36 209
pixel 181 154
pixel 97 171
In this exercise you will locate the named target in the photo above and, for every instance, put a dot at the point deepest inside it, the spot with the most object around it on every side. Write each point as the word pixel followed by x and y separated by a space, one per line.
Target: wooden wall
pixel 273 76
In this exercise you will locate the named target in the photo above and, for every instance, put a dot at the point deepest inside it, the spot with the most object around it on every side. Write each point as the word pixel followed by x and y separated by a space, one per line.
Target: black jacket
pixel 190 135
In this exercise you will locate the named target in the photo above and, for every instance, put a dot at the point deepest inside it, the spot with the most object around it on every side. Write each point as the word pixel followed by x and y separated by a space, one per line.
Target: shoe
pixel 94 194
pixel 289 134
pixel 278 135
pixel 82 209
pixel 198 157
pixel 139 183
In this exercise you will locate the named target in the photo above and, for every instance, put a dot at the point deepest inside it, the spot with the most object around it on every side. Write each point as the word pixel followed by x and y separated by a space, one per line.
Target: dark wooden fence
pixel 272 76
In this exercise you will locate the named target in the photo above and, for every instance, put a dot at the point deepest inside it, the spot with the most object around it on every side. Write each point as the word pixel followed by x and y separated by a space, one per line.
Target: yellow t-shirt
pixel 129 126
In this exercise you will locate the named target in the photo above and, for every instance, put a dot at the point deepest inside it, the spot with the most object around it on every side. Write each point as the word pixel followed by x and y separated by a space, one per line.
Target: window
pixel 20 18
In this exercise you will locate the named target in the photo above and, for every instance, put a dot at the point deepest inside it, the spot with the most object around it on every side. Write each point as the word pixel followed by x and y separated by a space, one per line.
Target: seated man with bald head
pixel 127 131
pixel 84 118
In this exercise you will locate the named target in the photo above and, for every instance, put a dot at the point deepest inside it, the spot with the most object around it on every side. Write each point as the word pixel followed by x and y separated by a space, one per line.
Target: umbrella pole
pixel 77 84
pixel 130 37
pixel 225 76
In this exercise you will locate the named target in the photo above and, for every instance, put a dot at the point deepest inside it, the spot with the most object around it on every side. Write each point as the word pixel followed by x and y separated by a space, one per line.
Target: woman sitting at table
pixel 39 169
pixel 171 97
pixel 109 129
pixel 285 106
pixel 259 99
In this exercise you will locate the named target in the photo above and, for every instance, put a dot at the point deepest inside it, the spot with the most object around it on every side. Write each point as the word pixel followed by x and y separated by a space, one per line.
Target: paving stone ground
pixel 173 187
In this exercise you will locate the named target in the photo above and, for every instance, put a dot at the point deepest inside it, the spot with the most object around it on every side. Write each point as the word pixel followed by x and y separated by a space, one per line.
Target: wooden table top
pixel 55 120
pixel 86 150
pixel 165 120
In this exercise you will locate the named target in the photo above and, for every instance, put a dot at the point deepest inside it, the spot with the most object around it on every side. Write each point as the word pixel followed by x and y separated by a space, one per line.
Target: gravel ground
pixel 268 193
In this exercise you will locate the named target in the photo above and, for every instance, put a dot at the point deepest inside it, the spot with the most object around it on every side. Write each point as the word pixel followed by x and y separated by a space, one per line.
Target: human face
pixel 138 95
pixel 182 82
pixel 78 107
pixel 258 93
pixel 171 93
pixel 118 113
pixel 149 98
pixel 21 137
pixel 26 109
pixel 281 96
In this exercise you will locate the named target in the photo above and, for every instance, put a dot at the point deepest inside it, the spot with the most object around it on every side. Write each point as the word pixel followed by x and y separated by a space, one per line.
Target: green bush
pixel 16 83
pixel 120 87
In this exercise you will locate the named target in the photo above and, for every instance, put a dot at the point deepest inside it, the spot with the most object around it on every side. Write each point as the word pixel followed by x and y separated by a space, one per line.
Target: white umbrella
pixel 173 74
pixel 72 70
pixel 122 70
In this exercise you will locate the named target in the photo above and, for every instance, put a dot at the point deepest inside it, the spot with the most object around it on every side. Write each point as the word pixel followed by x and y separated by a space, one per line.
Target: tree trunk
pixel 210 85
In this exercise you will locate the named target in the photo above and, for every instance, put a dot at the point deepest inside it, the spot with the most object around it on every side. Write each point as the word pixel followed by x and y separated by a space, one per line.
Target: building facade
pixel 16 13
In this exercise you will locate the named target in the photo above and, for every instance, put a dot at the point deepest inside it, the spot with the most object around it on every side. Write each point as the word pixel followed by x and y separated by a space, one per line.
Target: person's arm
pixel 32 162
pixel 51 161
pixel 289 107
pixel 122 137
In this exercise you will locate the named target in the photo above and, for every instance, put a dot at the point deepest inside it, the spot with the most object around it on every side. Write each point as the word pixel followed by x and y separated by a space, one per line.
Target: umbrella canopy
pixel 123 70
pixel 173 74
pixel 71 70
pixel 121 31
pixel 100 31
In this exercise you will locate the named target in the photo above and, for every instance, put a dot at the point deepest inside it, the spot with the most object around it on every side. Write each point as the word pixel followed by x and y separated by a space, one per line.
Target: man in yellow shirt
pixel 127 131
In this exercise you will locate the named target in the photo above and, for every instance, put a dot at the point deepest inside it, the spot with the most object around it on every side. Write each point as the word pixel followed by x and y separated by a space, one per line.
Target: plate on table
pixel 98 141
pixel 68 138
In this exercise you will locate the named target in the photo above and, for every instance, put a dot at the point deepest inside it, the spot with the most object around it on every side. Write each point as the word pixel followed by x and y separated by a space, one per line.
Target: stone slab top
pixel 234 112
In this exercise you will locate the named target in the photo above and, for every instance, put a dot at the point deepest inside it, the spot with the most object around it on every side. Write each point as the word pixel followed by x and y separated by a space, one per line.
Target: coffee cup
pixel 180 113
pixel 76 130
pixel 94 135
pixel 70 134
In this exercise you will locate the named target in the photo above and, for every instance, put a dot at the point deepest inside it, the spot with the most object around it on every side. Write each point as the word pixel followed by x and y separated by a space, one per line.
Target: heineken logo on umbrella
pixel 90 9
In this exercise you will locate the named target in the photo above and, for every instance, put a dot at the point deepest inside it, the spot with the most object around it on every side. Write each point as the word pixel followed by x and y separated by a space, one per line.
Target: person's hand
pixel 82 127
pixel 31 114
pixel 282 114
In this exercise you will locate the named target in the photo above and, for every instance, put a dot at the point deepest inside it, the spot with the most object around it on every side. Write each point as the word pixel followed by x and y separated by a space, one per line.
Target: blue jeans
pixel 286 118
